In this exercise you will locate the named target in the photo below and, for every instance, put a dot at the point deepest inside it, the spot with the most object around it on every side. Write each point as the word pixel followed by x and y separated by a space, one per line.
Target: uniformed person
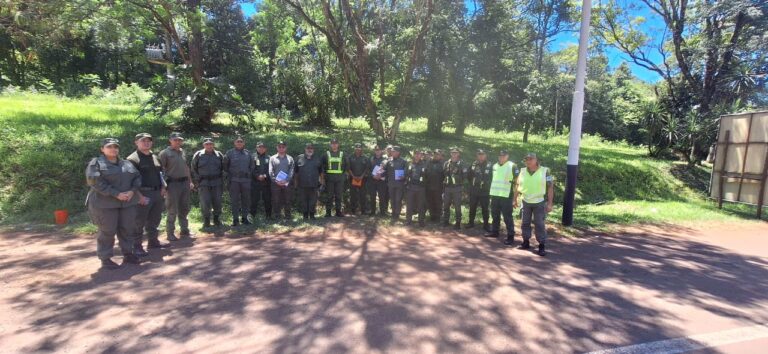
pixel 480 184
pixel 281 169
pixel 334 168
pixel 359 168
pixel 416 195
pixel 260 187
pixel 111 201
pixel 455 172
pixel 536 186
pixel 435 183
pixel 151 204
pixel 239 166
pixel 502 178
pixel 179 180
pixel 377 186
pixel 308 176
pixel 395 171
pixel 208 176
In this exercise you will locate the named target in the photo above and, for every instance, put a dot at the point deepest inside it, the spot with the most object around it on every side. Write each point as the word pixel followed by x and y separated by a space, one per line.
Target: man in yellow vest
pixel 503 176
pixel 535 184
pixel 334 170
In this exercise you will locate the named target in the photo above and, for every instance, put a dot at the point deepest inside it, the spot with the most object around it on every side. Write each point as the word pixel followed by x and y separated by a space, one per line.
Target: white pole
pixel 577 112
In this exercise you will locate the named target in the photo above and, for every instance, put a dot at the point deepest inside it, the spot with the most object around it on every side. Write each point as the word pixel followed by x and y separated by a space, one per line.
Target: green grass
pixel 47 140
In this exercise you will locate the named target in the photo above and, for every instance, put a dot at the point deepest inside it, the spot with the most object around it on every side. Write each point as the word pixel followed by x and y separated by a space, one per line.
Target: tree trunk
pixel 203 110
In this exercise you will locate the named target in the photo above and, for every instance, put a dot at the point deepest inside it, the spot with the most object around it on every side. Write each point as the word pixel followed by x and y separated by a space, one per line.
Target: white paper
pixel 377 170
pixel 281 176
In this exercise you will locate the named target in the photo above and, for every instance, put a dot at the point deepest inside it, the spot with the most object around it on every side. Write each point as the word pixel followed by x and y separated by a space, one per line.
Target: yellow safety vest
pixel 503 175
pixel 533 187
pixel 337 161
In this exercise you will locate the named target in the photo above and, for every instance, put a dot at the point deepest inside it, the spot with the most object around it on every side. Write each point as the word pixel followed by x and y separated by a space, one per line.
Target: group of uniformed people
pixel 127 196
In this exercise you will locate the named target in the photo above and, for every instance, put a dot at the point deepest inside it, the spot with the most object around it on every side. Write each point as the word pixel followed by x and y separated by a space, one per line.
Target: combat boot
pixel 526 245
pixel 245 220
pixel 217 220
pixel 131 259
pixel 542 252
pixel 207 222
pixel 139 251
pixel 109 264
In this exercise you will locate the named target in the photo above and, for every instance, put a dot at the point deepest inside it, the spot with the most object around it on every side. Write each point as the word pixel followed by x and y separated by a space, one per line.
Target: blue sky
pixel 615 57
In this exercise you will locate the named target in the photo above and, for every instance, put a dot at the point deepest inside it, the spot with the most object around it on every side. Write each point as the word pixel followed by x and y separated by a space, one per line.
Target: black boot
pixel 492 234
pixel 139 251
pixel 510 240
pixel 470 225
pixel 457 226
pixel 328 213
pixel 235 221
pixel 526 245
pixel 305 216
pixel 131 259
pixel 245 220
pixel 153 244
pixel 486 227
pixel 311 216
pixel 542 252
pixel 339 214
pixel 109 264
pixel 207 222
pixel 216 220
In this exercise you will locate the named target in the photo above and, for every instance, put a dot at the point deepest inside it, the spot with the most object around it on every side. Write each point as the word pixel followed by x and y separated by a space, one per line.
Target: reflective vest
pixel 337 161
pixel 503 175
pixel 533 187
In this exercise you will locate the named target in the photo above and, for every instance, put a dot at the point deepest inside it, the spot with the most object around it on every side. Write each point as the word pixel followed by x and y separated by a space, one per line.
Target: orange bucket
pixel 61 216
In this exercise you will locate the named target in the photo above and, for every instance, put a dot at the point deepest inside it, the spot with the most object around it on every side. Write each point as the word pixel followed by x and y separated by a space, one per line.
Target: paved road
pixel 352 287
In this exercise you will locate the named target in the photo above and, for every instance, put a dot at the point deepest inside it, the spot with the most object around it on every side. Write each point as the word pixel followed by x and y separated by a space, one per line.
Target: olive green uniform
pixel 416 193
pixel 112 216
pixel 148 216
pixel 359 166
pixel 308 170
pixel 177 199
pixel 239 166
pixel 480 174
pixel 335 176
pixel 207 171
pixel 455 174
pixel 395 171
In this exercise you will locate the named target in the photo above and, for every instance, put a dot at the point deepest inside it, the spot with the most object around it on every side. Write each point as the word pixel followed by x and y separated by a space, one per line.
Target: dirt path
pixel 351 287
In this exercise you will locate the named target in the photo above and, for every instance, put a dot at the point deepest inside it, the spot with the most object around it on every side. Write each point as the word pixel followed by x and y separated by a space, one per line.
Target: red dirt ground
pixel 352 287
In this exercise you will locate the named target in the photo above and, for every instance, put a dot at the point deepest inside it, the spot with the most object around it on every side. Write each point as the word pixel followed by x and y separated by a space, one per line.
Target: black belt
pixel 172 180
pixel 209 178
pixel 150 188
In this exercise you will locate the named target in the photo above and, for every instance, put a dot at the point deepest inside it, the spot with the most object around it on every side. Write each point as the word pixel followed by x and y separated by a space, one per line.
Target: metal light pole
pixel 577 111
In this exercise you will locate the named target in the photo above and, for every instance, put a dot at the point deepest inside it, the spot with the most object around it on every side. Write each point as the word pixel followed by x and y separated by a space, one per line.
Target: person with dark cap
pixel 359 169
pixel 416 194
pixel 151 204
pixel 114 193
pixel 179 180
pixel 308 176
pixel 480 185
pixel 260 187
pixel 281 169
pixel 239 166
pixel 455 171
pixel 435 182
pixel 503 175
pixel 536 186
pixel 395 172
pixel 377 186
pixel 207 174
pixel 334 169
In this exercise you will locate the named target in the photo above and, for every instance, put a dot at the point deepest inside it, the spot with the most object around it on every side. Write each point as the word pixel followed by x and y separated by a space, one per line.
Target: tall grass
pixel 46 141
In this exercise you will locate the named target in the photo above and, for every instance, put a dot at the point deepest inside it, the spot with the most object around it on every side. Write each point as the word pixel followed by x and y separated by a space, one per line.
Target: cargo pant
pixel 148 217
pixel 240 197
pixel 416 202
pixel 452 196
pixel 111 222
pixel 281 200
pixel 378 188
pixel 334 194
pixel 537 212
pixel 177 204
pixel 475 200
pixel 210 198
pixel 357 196
pixel 502 207
pixel 396 193
pixel 435 204
pixel 308 200
pixel 260 192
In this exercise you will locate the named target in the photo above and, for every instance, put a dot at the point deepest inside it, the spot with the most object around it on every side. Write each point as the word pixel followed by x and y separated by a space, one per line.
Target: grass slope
pixel 47 140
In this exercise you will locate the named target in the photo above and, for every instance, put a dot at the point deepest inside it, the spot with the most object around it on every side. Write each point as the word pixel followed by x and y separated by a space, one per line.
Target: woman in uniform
pixel 114 193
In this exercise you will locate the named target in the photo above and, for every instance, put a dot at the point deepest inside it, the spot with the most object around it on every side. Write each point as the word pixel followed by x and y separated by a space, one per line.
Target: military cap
pixel 530 155
pixel 176 135
pixel 110 141
pixel 334 141
pixel 309 146
pixel 503 152
pixel 142 136
pixel 480 152
pixel 239 138
pixel 281 142
pixel 260 144
pixel 455 149
pixel 358 146
pixel 389 147
pixel 207 140
pixel 438 151
pixel 396 148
